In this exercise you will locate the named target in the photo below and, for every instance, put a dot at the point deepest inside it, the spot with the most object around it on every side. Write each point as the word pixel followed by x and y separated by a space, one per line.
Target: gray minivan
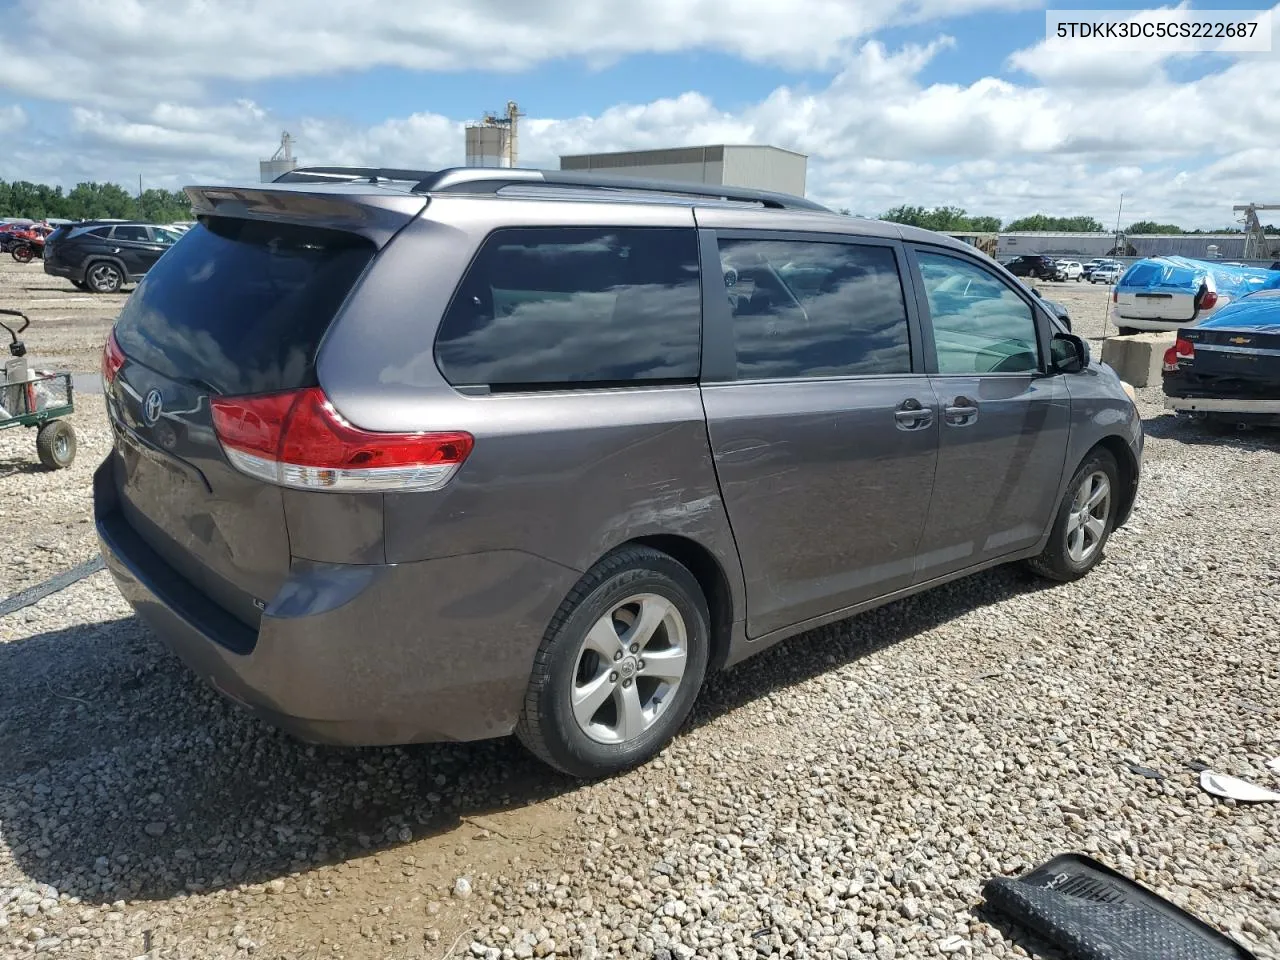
pixel 405 456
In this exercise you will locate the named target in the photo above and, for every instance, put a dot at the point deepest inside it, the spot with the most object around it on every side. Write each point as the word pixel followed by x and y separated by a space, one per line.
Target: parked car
pixel 418 460
pixel 27 243
pixel 102 256
pixel 1088 268
pixel 1228 367
pixel 1105 273
pixel 10 232
pixel 1038 267
pixel 1166 293
pixel 1069 270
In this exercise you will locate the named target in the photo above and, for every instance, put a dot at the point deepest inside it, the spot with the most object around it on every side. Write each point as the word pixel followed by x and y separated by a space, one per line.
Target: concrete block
pixel 1138 357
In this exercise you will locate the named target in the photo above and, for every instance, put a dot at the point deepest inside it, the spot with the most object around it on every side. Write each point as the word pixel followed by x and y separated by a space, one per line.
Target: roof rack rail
pixel 331 174
pixel 493 179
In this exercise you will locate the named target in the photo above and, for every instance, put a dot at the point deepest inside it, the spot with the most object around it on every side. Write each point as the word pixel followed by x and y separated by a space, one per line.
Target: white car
pixel 1105 273
pixel 1069 270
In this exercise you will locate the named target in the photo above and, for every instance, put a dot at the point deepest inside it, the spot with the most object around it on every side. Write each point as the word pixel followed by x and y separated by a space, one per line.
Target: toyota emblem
pixel 151 404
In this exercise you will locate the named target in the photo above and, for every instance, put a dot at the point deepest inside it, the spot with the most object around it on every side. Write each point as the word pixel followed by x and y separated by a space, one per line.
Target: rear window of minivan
pixel 546 307
pixel 242 305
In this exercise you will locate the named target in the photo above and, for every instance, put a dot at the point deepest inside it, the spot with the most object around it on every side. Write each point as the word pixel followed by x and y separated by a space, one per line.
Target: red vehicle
pixel 29 243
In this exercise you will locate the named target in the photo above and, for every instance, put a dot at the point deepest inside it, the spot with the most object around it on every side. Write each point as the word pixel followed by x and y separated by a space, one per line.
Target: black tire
pixel 547 726
pixel 1127 331
pixel 56 444
pixel 23 253
pixel 79 284
pixel 103 276
pixel 1055 562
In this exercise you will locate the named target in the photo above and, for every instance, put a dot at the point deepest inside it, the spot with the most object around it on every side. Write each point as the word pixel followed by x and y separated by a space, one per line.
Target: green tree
pixel 1039 222
pixel 942 219
pixel 90 201
pixel 1150 226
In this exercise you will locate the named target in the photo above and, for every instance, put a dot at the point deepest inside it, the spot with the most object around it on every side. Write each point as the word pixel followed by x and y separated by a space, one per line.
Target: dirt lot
pixel 843 795
pixel 68 326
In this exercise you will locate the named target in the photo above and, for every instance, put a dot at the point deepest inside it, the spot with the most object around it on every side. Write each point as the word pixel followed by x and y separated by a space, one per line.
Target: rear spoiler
pixel 373 214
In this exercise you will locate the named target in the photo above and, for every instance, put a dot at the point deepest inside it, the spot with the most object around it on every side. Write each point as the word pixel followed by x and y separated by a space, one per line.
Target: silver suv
pixel 406 456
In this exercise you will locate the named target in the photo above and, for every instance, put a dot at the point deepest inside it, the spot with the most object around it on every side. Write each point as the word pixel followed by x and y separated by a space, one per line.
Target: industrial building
pixel 1199 246
pixel 281 162
pixel 495 140
pixel 729 165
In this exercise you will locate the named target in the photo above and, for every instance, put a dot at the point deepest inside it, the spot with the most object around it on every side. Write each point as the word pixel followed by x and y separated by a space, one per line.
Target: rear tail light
pixel 112 358
pixel 297 439
pixel 1181 351
pixel 1115 295
pixel 1208 300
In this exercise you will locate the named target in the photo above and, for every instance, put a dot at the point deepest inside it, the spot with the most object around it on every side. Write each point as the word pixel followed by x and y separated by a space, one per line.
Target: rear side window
pixel 242 305
pixel 544 307
pixel 815 309
pixel 131 233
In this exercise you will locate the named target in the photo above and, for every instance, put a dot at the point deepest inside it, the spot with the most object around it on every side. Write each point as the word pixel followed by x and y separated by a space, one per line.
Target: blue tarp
pixel 1185 275
pixel 1260 311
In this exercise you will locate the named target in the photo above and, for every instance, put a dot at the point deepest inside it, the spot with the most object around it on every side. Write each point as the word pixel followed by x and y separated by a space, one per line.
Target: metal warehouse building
pixel 1226 246
pixel 759 167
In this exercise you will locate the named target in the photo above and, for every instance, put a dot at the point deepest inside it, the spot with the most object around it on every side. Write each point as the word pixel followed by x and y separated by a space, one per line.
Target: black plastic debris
pixel 1147 772
pixel 1093 913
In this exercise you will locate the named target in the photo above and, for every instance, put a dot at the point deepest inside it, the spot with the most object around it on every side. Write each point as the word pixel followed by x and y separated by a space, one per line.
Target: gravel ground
pixel 842 795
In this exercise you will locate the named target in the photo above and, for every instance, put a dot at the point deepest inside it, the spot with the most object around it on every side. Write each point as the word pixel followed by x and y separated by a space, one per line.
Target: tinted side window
pixel 815 309
pixel 101 232
pixel 131 233
pixel 545 306
pixel 979 324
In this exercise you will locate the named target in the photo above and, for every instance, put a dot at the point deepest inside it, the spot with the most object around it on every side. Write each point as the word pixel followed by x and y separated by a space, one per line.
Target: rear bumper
pixel 356 654
pixel 1222 405
pixel 57 268
pixel 1149 324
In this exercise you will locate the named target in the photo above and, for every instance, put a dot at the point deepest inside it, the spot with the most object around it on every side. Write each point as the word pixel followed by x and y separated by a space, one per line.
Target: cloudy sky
pixel 895 101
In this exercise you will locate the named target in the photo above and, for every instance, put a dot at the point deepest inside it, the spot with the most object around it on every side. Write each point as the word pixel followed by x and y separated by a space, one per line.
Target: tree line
pixel 956 220
pixel 91 201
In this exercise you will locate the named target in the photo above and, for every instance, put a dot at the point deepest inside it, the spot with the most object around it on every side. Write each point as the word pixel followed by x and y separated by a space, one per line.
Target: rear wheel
pixel 56 444
pixel 1084 521
pixel 619 667
pixel 23 253
pixel 1127 331
pixel 104 277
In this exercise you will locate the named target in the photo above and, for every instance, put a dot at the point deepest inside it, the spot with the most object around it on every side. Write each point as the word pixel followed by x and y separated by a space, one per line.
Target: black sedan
pixel 1228 367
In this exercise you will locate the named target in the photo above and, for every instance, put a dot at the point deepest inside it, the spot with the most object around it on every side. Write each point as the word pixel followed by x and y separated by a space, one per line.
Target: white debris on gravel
pixel 843 795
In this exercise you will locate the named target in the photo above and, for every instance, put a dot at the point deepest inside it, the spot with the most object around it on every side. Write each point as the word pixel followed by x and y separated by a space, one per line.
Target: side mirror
pixel 1070 353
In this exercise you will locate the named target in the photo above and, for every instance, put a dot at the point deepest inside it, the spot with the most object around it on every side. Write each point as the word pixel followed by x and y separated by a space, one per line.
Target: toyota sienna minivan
pixel 407 456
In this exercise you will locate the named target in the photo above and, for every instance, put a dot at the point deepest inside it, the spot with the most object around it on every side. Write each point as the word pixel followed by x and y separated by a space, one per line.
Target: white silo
pixel 281 162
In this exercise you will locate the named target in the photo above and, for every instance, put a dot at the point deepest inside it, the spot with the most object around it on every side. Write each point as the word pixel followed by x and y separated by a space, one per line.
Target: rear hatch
pixel 1152 290
pixel 236 307
pixel 1237 353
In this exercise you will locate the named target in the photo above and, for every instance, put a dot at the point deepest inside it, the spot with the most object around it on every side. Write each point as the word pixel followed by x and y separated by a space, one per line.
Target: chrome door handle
pixel 961 412
pixel 912 415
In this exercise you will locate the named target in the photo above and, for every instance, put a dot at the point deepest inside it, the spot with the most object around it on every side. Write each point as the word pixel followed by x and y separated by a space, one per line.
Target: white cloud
pixel 877 136
pixel 12 118
pixel 124 51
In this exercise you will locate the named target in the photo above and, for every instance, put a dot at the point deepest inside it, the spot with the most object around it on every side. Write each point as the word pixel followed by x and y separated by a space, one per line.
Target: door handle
pixel 912 415
pixel 961 412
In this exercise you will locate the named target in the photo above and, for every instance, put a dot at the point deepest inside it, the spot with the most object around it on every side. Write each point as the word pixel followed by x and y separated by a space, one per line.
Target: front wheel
pixel 56 444
pixel 619 667
pixel 1084 521
pixel 23 253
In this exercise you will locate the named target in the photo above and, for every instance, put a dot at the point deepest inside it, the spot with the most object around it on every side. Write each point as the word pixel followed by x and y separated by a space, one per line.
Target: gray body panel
pixel 397 617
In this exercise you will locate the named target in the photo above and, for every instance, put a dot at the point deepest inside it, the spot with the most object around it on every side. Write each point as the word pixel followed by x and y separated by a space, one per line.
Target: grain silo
pixel 281 162
pixel 493 142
